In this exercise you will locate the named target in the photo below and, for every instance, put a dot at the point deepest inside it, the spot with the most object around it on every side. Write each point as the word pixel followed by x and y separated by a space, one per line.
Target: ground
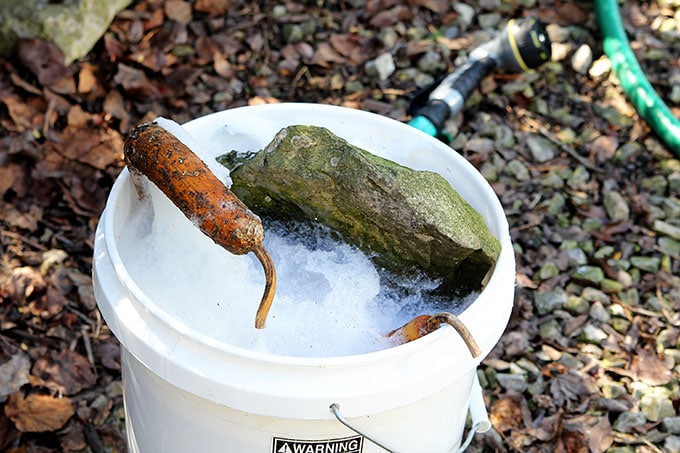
pixel 589 358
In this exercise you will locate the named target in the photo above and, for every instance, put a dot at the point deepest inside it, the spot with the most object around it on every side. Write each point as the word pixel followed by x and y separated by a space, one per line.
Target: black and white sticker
pixel 354 444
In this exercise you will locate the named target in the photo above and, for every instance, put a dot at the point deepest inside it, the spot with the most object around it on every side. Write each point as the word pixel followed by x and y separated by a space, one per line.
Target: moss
pixel 401 216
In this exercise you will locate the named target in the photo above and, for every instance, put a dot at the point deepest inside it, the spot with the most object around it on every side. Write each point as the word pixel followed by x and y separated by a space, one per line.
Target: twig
pixel 24 239
pixel 567 149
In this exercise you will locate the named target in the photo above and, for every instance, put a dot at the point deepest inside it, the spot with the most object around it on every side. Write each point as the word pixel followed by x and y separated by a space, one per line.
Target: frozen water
pixel 329 299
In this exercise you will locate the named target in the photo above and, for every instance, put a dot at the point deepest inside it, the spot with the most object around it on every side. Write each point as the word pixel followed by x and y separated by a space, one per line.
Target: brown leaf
pixel 96 147
pixel 571 388
pixel 222 66
pixel 602 149
pixel 14 368
pixel 87 80
pixel 505 414
pixel 571 442
pixel 134 82
pixel 114 105
pixel 648 368
pixel 351 46
pixel 43 58
pixel 178 10
pixel 21 113
pixel 11 177
pixel 598 431
pixel 74 438
pixel 20 284
pixel 436 6
pixel 66 371
pixel 325 56
pixel 109 354
pixel 38 413
pixel 391 16
pixel 213 7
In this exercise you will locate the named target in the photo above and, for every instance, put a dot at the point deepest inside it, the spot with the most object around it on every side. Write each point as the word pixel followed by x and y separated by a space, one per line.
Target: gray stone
pixel 589 274
pixel 616 206
pixel 550 330
pixel 592 334
pixel 518 170
pixel 656 406
pixel 465 14
pixel 549 301
pixel 489 20
pixel 671 424
pixel 431 62
pixel 75 26
pixel 512 381
pixel 628 420
pixel 646 263
pixel 671 444
pixel 382 67
pixel 541 149
pixel 599 313
pixel 576 305
pixel 575 257
pixel 666 228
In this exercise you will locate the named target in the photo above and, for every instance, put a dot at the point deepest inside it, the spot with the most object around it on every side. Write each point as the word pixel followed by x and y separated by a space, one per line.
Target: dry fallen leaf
pixel 15 366
pixel 213 7
pixel 505 414
pixel 38 413
pixel 67 371
pixel 43 58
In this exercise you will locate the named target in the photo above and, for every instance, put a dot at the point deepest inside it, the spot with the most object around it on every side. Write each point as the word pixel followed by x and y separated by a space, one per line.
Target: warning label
pixel 353 444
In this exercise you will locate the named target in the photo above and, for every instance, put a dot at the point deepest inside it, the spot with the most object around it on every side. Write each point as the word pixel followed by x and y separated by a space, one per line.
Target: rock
pixel 666 228
pixel 593 334
pixel 403 217
pixel 74 26
pixel 646 263
pixel 671 424
pixel 656 406
pixel 548 270
pixel 518 170
pixel 589 274
pixel 431 62
pixel 671 444
pixel 612 389
pixel 575 257
pixel 582 59
pixel 616 206
pixel 489 20
pixel 576 305
pixel 549 301
pixel 465 14
pixel 600 68
pixel 512 381
pixel 599 313
pixel 382 67
pixel 541 149
pixel 628 420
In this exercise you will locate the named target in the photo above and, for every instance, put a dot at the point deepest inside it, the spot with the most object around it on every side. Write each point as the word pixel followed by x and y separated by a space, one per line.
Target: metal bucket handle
pixel 478 413
pixel 477 408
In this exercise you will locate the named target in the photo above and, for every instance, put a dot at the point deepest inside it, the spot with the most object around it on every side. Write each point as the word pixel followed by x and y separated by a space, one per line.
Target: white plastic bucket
pixel 185 391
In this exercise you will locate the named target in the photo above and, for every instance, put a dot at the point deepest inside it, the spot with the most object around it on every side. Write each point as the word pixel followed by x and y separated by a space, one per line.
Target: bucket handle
pixel 478 414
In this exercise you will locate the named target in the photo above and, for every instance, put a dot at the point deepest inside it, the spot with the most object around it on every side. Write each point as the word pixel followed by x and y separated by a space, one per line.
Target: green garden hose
pixel 636 86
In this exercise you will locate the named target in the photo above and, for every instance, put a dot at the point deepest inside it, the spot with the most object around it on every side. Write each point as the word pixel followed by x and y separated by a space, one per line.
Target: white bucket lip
pixel 177 352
